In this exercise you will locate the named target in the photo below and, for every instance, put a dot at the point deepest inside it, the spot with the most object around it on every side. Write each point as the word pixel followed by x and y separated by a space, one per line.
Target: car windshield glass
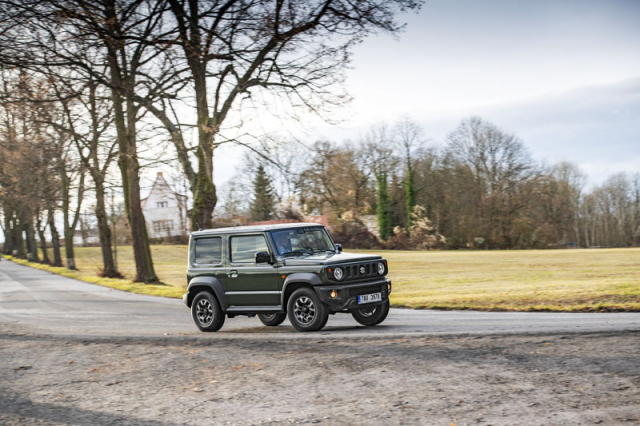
pixel 302 241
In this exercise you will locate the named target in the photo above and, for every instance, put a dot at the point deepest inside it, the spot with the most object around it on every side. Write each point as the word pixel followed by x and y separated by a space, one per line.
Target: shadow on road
pixel 19 409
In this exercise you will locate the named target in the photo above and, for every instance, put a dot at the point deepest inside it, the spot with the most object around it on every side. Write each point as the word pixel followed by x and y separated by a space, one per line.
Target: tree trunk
pixel 129 168
pixel 108 265
pixel 32 247
pixel 8 232
pixel 204 198
pixel 68 230
pixel 43 240
pixel 68 248
pixel 18 239
pixel 55 239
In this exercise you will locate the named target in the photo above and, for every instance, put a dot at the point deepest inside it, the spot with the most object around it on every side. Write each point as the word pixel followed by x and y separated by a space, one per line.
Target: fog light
pixel 333 294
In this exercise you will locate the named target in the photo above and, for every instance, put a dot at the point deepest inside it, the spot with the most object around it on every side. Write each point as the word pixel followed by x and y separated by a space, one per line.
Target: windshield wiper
pixel 300 252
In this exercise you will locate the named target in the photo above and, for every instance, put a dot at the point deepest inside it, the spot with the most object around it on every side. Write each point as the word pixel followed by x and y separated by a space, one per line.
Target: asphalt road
pixel 57 305
pixel 80 354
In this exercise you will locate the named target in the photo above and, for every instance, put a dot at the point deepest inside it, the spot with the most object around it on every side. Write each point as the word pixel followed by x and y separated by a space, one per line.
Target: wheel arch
pixel 210 284
pixel 292 283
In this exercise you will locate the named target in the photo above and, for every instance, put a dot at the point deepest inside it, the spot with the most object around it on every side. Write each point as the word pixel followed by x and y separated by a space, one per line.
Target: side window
pixel 209 250
pixel 244 248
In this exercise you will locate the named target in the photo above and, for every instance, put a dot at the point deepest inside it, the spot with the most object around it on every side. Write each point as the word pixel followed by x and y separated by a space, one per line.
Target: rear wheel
pixel 371 315
pixel 272 319
pixel 306 311
pixel 206 312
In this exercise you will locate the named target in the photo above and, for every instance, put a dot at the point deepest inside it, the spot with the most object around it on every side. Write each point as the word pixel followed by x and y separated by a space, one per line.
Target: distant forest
pixel 482 189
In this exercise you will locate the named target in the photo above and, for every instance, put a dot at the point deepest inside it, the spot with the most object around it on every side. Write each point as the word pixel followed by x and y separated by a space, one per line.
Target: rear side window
pixel 244 248
pixel 209 250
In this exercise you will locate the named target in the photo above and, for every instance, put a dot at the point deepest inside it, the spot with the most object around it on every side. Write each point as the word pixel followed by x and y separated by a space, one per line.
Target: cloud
pixel 596 127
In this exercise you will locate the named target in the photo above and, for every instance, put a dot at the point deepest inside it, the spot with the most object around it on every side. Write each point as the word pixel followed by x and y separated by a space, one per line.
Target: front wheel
pixel 306 310
pixel 206 312
pixel 271 319
pixel 371 315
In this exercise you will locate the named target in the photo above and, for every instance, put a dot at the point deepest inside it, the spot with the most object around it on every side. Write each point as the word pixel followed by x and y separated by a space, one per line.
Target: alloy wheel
pixel 204 312
pixel 304 310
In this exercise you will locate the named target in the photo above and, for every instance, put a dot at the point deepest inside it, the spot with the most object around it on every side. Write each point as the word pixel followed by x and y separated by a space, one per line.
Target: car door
pixel 248 283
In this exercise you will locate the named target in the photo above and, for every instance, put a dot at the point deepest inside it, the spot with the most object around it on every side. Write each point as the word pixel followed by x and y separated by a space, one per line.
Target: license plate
pixel 368 298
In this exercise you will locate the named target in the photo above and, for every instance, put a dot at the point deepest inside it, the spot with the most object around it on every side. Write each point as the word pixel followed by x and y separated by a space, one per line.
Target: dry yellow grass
pixel 559 280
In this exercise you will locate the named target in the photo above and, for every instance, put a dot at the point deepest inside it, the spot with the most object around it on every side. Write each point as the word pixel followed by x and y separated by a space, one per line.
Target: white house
pixel 165 211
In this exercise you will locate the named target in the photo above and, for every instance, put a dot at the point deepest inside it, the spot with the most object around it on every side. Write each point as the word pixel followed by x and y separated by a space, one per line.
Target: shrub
pixel 355 235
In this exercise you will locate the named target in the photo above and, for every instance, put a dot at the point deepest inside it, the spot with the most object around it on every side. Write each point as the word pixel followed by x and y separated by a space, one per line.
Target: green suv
pixel 277 270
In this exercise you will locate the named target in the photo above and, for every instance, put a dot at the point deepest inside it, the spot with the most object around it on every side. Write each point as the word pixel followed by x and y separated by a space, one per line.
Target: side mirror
pixel 339 248
pixel 263 257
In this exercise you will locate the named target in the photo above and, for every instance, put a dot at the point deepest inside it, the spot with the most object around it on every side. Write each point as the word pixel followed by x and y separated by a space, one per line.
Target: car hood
pixel 330 259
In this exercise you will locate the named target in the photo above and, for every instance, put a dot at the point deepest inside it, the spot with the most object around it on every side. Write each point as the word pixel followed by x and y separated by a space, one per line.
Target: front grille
pixel 364 290
pixel 361 270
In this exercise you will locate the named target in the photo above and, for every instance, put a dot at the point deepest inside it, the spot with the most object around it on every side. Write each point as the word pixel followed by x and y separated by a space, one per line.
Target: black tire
pixel 272 320
pixel 371 315
pixel 206 312
pixel 306 310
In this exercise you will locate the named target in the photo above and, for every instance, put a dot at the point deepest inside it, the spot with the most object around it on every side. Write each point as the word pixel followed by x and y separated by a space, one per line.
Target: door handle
pixel 234 274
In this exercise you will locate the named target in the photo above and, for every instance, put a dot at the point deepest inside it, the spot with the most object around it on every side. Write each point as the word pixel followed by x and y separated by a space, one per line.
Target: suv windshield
pixel 301 241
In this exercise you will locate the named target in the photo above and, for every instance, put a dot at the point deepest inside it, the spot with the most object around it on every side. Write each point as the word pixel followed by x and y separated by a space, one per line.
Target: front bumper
pixel 347 294
pixel 185 299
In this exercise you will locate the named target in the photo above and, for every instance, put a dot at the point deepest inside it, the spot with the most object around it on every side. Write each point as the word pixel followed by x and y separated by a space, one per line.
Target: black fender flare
pixel 296 278
pixel 210 283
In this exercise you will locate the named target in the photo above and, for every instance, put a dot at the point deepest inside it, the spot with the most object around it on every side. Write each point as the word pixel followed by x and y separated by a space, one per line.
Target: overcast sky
pixel 562 75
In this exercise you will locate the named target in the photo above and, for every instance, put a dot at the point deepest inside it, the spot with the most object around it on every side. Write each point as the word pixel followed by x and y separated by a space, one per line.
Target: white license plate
pixel 368 298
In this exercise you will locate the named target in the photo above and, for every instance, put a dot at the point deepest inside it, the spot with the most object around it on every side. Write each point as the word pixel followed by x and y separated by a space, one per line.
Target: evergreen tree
pixel 398 204
pixel 383 207
pixel 410 193
pixel 263 203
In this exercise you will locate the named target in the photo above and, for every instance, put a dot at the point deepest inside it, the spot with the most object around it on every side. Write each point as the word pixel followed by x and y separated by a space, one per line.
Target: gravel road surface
pixel 76 353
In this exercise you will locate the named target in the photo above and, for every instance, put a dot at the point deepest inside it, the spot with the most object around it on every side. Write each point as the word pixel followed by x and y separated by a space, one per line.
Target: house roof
pixel 160 180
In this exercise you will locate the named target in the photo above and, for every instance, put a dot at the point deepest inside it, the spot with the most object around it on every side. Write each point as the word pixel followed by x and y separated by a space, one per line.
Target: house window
pixel 160 226
pixel 162 204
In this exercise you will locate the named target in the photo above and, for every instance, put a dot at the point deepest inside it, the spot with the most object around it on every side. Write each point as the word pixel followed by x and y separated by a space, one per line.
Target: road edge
pixel 158 290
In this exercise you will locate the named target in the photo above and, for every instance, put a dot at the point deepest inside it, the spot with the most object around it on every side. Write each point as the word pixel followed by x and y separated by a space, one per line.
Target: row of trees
pixel 480 189
pixel 96 78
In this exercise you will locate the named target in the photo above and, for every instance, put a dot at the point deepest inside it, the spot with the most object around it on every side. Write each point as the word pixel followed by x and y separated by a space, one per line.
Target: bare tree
pixel 24 172
pixel 335 177
pixel 109 41
pixel 235 50
pixel 87 118
pixel 500 169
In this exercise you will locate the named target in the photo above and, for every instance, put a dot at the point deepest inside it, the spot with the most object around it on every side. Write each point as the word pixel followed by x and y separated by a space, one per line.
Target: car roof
pixel 254 228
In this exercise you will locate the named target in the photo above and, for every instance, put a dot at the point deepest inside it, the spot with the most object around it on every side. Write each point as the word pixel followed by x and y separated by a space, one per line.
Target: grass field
pixel 557 280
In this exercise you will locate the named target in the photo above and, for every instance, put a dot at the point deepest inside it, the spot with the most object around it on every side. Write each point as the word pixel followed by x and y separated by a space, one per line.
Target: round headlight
pixel 338 274
pixel 381 268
